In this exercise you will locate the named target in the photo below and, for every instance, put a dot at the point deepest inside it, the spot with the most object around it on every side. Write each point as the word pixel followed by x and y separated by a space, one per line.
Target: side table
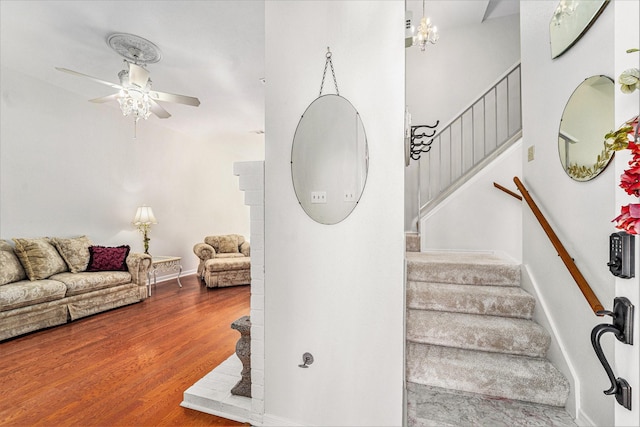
pixel 161 264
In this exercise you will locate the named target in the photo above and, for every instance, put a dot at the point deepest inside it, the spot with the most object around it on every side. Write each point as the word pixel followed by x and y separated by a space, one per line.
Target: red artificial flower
pixel 629 218
pixel 630 182
pixel 635 148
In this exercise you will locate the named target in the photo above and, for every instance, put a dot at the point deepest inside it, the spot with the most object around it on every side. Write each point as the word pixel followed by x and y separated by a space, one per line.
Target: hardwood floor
pixel 125 367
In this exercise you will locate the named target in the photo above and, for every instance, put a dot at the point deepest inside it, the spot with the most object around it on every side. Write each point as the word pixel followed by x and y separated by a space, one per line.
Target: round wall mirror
pixel 586 119
pixel 329 159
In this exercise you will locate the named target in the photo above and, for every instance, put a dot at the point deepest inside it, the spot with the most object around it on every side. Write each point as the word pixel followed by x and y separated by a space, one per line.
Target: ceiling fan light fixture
pixel 133 99
pixel 134 102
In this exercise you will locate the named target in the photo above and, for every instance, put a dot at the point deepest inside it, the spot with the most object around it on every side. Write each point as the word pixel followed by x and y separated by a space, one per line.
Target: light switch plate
pixel 531 153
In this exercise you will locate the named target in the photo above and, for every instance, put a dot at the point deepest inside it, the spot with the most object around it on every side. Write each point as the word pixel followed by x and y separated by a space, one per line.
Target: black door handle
pixel 622 328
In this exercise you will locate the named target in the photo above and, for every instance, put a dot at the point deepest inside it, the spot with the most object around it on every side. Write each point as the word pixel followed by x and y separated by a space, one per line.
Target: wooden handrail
pixel 506 190
pixel 586 290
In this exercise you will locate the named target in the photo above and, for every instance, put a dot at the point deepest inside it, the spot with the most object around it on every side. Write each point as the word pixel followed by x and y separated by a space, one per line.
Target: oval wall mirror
pixel 586 119
pixel 570 21
pixel 329 159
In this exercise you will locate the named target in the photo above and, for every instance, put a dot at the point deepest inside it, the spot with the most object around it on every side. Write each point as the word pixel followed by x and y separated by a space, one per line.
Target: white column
pixel 251 176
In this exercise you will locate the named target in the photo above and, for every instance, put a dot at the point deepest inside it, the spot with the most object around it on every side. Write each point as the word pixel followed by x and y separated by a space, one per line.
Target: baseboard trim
pixel 574 380
pixel 222 414
pixel 274 421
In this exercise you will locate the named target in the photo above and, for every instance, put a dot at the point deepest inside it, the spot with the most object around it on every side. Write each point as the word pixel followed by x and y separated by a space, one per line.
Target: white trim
pixel 172 276
pixel 271 420
pixel 563 349
pixel 222 414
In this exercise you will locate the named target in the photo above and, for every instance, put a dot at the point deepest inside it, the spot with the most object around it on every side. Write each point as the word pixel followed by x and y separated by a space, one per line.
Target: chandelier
pixel 427 33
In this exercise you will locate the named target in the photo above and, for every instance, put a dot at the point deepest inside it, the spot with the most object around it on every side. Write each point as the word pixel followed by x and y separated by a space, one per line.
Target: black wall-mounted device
pixel 622 255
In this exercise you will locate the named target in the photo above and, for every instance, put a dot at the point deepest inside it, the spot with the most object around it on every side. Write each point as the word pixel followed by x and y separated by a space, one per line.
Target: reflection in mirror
pixel 570 21
pixel 329 159
pixel 587 117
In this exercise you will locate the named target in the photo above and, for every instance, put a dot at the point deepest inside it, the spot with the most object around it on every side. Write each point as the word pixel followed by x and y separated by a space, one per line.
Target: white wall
pixel 446 78
pixel 627 357
pixel 335 291
pixel 580 212
pixel 68 167
pixel 479 216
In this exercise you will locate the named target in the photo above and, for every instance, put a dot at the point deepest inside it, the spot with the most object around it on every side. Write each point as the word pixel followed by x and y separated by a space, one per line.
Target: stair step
pixel 433 406
pixel 412 241
pixel 494 374
pixel 478 332
pixel 465 268
pixel 490 300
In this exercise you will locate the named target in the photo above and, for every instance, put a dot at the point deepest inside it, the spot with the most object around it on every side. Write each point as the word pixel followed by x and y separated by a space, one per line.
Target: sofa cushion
pixel 223 264
pixel 232 255
pixel 229 244
pixel 26 292
pixel 10 268
pixel 103 258
pixel 83 282
pixel 39 258
pixel 74 251
pixel 225 244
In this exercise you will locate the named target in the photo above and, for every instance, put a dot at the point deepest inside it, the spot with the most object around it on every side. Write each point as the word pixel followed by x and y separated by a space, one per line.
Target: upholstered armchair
pixel 224 260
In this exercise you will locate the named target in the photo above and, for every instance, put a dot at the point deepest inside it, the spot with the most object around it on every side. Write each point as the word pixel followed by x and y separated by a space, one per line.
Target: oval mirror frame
pixel 329 159
pixel 586 119
pixel 570 21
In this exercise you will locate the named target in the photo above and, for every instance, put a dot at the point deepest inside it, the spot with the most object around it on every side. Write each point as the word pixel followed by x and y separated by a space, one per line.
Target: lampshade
pixel 144 215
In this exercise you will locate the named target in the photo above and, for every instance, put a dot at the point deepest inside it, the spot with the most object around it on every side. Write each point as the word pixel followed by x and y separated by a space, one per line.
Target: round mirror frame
pixel 329 164
pixel 586 119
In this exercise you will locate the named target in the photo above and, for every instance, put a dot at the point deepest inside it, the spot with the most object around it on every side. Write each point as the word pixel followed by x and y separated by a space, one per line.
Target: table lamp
pixel 143 220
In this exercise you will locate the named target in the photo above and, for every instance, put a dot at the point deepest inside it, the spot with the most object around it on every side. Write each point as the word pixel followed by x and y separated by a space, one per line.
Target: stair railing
pixel 582 283
pixel 472 140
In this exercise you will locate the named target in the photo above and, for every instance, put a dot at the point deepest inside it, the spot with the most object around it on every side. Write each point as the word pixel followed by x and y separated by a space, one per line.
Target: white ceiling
pixel 450 14
pixel 212 49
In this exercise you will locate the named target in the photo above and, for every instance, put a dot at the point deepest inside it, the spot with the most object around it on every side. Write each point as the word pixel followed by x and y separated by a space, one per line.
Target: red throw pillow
pixel 102 258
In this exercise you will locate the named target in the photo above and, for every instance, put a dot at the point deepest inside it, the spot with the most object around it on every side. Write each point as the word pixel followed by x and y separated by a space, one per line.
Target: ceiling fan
pixel 135 96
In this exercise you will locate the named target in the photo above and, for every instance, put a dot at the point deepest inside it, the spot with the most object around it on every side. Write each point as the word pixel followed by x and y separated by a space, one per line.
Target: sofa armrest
pixel 139 265
pixel 204 251
pixel 245 248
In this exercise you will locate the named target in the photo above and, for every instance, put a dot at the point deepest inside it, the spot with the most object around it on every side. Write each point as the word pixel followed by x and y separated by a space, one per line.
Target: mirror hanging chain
pixel 324 73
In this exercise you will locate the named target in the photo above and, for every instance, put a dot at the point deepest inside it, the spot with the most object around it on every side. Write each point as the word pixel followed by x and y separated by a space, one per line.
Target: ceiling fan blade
pixel 75 73
pixel 105 98
pixel 137 75
pixel 170 97
pixel 159 111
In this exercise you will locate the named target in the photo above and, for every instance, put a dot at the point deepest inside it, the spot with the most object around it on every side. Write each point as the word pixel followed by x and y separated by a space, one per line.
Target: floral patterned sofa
pixel 46 282
pixel 224 260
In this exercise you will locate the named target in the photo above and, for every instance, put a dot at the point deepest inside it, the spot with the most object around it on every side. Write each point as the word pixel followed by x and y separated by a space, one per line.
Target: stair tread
pixel 491 300
pixel 480 268
pixel 478 332
pixel 455 257
pixel 433 406
pixel 494 374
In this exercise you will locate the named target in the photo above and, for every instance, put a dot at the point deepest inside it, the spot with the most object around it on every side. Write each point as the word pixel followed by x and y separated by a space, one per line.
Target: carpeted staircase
pixel 474 356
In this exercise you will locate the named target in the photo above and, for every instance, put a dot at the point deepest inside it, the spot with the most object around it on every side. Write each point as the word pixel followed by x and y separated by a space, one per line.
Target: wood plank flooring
pixel 126 367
